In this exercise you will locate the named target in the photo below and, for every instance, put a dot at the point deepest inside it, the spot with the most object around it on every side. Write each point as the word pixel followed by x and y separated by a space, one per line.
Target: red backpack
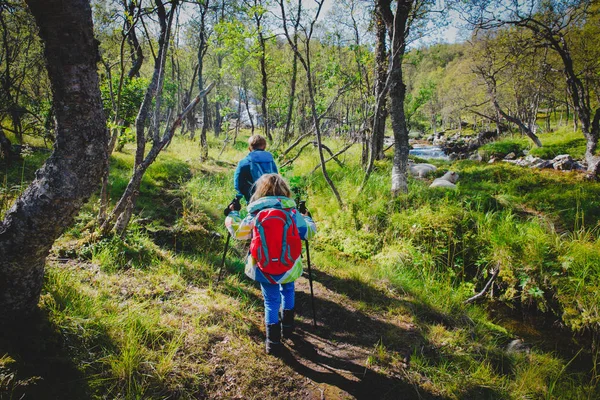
pixel 276 243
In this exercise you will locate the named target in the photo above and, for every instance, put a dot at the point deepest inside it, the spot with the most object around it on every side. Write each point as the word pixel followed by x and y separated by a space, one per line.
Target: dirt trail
pixel 334 358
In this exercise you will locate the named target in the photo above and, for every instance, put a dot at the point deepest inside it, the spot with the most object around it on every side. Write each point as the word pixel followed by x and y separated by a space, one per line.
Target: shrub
pixel 135 250
pixel 502 147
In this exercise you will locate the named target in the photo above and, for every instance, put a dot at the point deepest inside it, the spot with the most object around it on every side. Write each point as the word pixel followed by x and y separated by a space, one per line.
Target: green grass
pixel 501 149
pixel 141 317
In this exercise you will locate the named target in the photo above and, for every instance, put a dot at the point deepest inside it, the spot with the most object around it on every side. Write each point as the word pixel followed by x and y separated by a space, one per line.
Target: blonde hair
pixel 271 185
pixel 256 142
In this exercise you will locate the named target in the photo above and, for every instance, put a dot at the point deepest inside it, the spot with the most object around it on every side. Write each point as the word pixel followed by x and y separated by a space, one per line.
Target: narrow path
pixel 336 359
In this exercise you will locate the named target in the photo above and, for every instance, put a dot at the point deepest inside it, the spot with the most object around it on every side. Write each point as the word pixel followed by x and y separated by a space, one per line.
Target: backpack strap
pixel 269 277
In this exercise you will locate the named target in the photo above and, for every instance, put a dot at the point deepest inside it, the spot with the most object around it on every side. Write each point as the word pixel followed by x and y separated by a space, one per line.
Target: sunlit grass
pixel 148 321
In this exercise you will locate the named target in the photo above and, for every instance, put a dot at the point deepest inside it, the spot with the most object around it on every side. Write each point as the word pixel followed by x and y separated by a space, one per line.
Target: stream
pixel 428 151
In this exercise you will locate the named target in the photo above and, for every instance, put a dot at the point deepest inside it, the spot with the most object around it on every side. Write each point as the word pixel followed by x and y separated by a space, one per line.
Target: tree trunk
pixel 5 147
pixel 317 122
pixel 137 55
pixel 248 109
pixel 142 117
pixel 306 63
pixel 73 171
pixel 524 128
pixel 239 113
pixel 264 86
pixel 217 122
pixel 202 48
pixel 288 122
pixel 190 119
pixel 380 79
pixel 123 209
pixel 397 30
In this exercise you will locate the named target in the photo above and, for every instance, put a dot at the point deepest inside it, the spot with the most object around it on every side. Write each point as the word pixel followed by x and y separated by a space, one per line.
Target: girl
pixel 271 202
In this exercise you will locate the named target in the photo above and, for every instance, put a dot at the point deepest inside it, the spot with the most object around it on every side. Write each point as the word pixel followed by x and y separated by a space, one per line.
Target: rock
pixel 447 181
pixel 541 164
pixel 476 157
pixel 521 162
pixel 533 160
pixel 486 136
pixel 510 156
pixel 563 162
pixel 421 170
pixel 438 141
pixel 517 346
pixel 492 160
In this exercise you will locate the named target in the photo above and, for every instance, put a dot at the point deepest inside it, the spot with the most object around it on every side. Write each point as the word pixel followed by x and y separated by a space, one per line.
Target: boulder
pixel 517 346
pixel 447 181
pixel 510 156
pixel 541 164
pixel 563 162
pixel 421 170
pixel 476 157
pixel 521 162
pixel 533 159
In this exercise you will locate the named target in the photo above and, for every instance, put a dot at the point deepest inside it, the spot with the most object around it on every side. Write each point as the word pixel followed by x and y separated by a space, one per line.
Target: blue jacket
pixel 249 169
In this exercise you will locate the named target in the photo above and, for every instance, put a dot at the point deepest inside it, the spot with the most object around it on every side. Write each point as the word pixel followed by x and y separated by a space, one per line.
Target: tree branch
pixel 487 286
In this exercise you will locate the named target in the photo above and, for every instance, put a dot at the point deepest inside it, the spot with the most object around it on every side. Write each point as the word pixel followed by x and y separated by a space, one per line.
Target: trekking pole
pixel 236 203
pixel 222 268
pixel 310 281
pixel 303 210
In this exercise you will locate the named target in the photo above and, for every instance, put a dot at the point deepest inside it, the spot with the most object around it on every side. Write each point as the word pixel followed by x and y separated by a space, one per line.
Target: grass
pixel 141 317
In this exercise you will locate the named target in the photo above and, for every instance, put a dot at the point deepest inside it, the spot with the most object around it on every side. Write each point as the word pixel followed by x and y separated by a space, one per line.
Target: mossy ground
pixel 142 318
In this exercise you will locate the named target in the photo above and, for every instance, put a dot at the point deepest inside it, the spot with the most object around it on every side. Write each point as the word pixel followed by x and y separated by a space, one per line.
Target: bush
pixel 135 250
pixel 501 148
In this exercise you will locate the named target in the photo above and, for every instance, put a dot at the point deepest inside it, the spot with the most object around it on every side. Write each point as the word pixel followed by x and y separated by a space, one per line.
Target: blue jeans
pixel 273 295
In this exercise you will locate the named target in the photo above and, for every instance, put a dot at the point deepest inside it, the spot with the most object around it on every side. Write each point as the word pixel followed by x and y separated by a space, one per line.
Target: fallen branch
pixel 296 143
pixel 315 144
pixel 288 162
pixel 487 287
pixel 332 157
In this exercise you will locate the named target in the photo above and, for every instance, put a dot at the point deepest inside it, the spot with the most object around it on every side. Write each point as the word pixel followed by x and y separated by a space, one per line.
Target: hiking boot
pixel 287 323
pixel 273 343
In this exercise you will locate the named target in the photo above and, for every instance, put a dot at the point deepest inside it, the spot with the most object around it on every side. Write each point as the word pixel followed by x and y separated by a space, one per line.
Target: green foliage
pixel 132 94
pixel 501 148
pixel 16 177
pixel 135 250
pixel 563 141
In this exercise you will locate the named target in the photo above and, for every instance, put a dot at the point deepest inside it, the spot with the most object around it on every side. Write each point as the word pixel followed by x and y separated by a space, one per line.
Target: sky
pixel 447 34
